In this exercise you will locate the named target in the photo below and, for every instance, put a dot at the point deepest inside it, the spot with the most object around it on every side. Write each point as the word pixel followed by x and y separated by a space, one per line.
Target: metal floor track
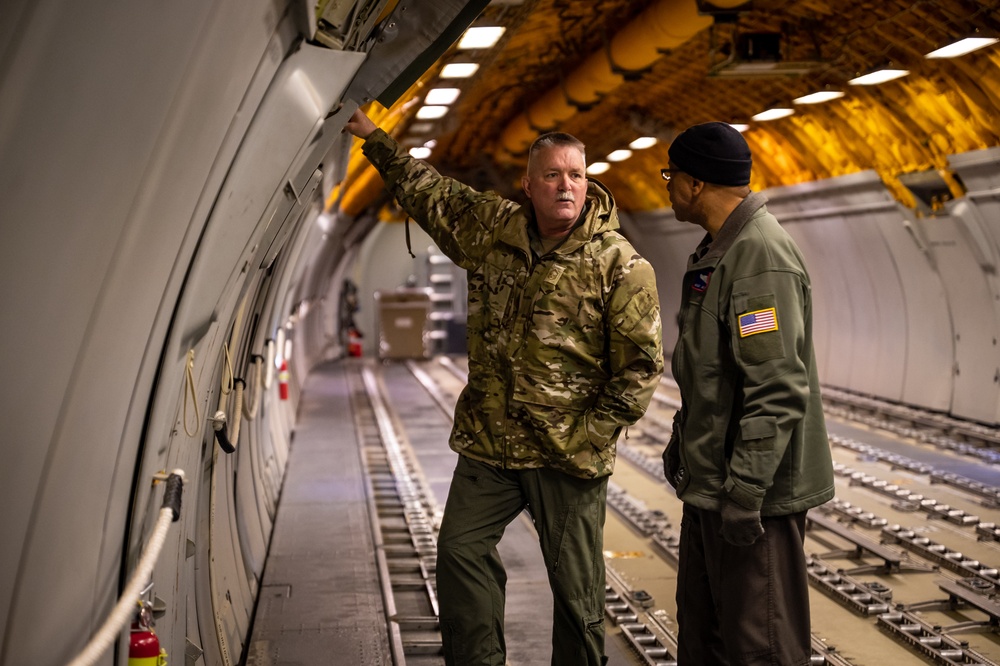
pixel 320 601
pixel 324 596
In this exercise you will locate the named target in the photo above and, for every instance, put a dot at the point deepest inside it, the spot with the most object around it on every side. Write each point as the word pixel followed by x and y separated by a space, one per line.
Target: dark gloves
pixel 740 526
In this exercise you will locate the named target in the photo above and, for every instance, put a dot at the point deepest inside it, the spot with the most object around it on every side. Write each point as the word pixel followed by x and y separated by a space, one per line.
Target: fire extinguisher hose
pixel 125 608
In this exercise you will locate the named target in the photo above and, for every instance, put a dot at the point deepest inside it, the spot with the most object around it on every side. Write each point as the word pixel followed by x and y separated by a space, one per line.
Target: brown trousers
pixel 742 606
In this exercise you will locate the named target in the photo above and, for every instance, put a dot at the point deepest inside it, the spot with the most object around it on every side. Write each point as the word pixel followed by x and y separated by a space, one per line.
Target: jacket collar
pixel 710 250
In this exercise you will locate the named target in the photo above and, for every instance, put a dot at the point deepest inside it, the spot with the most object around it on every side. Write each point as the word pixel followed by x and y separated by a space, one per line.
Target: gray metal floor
pixel 529 603
pixel 320 601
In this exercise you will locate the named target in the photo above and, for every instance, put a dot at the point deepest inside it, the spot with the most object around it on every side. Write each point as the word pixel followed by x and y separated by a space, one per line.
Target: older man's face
pixel 557 186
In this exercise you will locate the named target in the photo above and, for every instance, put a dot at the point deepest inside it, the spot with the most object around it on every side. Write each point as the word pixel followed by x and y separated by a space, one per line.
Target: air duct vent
pixel 757 54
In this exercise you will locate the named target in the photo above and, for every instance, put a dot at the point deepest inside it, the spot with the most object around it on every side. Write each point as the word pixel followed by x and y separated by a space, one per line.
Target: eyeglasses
pixel 668 174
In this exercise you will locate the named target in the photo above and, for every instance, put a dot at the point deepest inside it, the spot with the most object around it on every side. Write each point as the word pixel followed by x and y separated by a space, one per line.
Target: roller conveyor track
pixel 854 514
pixel 402 528
pixel 652 626
pixel 989 494
pixel 628 610
pixel 862 598
pixel 874 598
pixel 976 590
pixel 940 554
pixel 644 630
pixel 928 640
pixel 967 438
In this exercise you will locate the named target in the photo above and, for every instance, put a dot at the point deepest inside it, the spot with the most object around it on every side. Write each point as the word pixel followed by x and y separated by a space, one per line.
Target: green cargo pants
pixel 568 514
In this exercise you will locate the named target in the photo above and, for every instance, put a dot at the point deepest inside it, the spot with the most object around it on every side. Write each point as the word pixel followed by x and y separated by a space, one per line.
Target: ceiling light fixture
pixel 420 128
pixel 480 38
pixel 431 112
pixel 441 96
pixel 420 152
pixel 643 142
pixel 619 155
pixel 739 127
pixel 598 168
pixel 459 70
pixel 880 76
pixel 819 97
pixel 961 47
pixel 773 114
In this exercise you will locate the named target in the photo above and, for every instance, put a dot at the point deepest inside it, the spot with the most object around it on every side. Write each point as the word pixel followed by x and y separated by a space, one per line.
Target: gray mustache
pixel 566 196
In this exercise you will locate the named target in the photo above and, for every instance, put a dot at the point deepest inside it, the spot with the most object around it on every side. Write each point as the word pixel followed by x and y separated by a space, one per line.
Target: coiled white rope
pixel 125 608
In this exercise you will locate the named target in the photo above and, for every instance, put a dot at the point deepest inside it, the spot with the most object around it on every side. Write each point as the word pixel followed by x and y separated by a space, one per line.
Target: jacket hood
pixel 601 214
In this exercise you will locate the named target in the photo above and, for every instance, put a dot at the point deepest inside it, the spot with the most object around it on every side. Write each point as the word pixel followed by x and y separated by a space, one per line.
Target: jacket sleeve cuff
pixel 379 148
pixel 746 496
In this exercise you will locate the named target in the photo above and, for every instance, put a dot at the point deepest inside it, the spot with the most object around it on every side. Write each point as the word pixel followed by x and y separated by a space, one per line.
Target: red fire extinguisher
pixel 353 342
pixel 144 647
pixel 283 380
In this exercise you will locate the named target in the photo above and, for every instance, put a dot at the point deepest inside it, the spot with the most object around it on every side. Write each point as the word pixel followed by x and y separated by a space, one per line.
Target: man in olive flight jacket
pixel 564 352
pixel 749 453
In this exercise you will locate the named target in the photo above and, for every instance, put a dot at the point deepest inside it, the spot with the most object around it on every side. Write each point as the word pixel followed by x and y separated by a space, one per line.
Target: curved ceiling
pixel 551 70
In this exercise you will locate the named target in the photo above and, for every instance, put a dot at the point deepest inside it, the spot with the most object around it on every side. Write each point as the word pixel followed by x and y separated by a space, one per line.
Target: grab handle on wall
pixel 256 386
pixel 227 441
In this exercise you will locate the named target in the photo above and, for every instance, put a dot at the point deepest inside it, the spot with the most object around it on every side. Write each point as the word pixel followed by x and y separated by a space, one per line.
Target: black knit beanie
pixel 713 152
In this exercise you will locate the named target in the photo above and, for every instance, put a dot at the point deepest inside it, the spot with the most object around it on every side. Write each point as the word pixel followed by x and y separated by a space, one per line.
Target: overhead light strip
pixel 879 77
pixel 431 112
pixel 962 47
pixel 773 114
pixel 481 37
pixel 441 96
pixel 459 70
pixel 643 142
pixel 819 97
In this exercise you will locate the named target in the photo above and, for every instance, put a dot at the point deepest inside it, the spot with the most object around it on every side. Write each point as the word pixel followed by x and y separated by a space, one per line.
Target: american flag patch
pixel 758 321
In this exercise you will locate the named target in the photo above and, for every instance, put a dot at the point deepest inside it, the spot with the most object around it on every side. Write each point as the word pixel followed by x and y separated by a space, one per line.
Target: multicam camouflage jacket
pixel 564 347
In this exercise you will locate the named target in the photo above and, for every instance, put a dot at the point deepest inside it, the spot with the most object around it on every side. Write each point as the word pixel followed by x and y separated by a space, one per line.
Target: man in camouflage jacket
pixel 564 351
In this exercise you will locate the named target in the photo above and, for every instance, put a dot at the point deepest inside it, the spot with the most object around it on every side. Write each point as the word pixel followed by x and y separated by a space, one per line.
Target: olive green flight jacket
pixel 751 424
pixel 564 347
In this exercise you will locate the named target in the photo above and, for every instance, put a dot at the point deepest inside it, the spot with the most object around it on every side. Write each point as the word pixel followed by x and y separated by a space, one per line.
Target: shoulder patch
pixel 701 282
pixel 758 321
